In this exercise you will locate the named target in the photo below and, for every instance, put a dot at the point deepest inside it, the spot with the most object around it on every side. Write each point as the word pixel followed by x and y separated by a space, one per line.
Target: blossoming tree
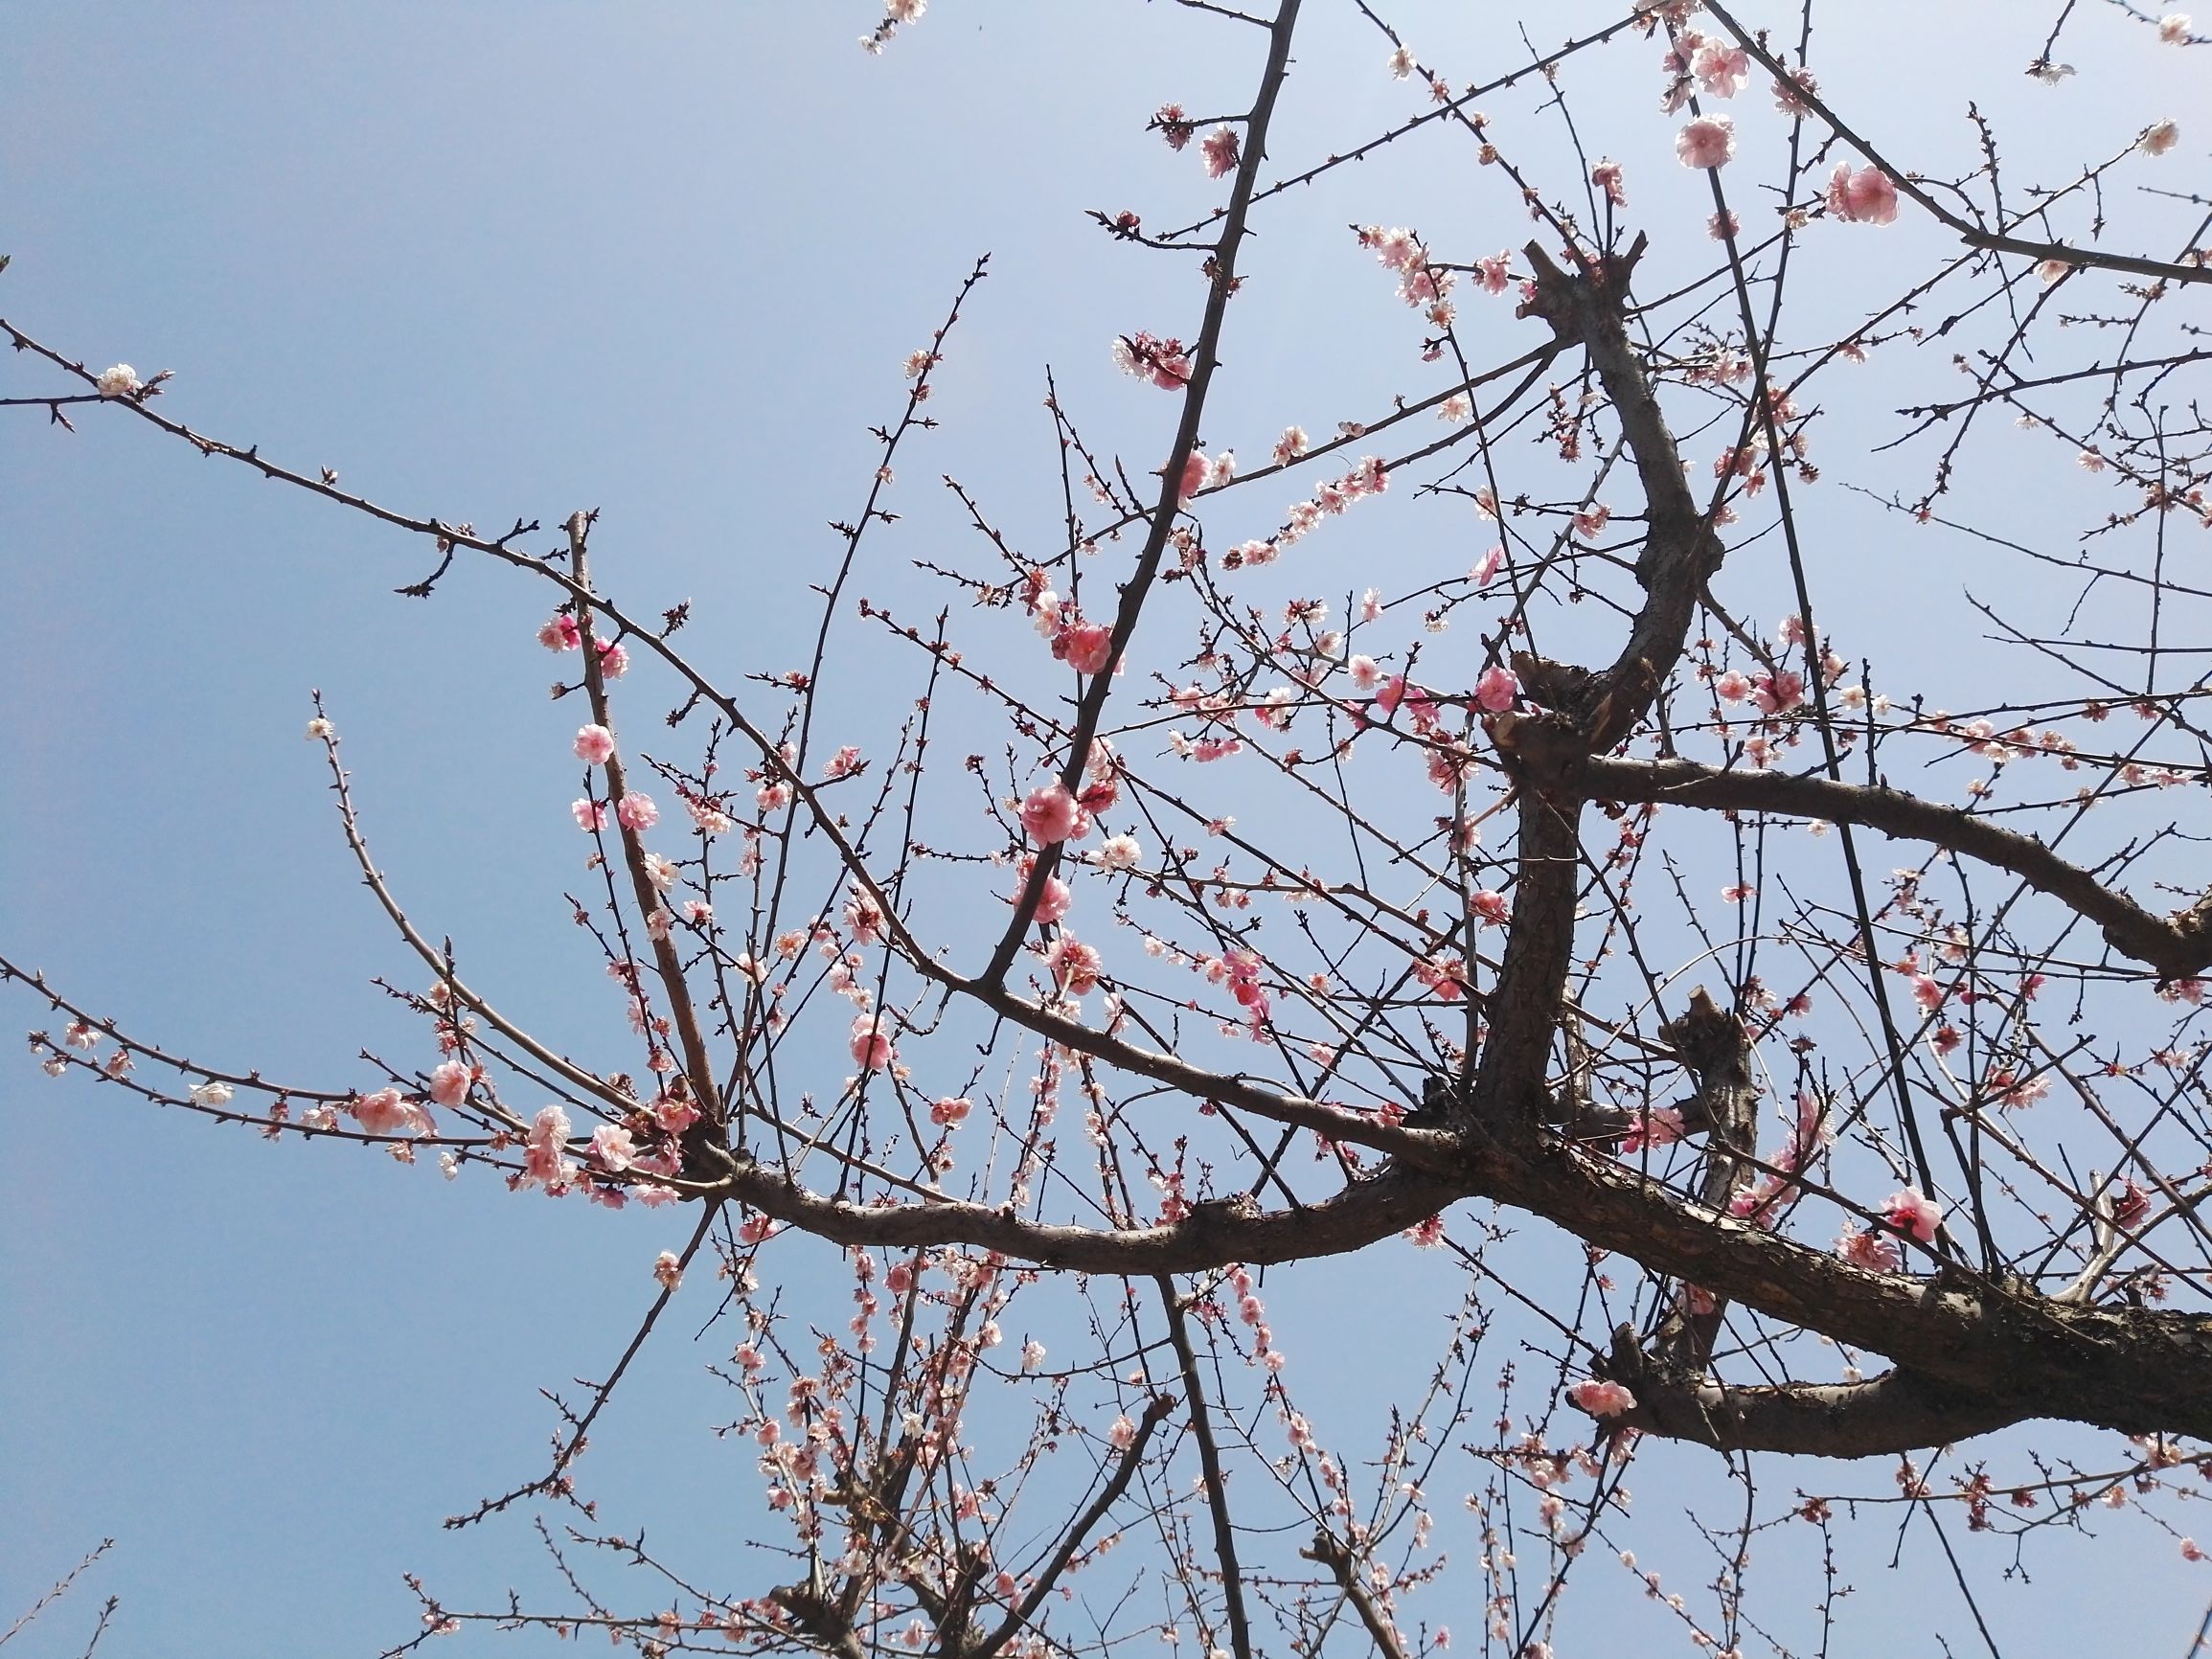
pixel 1846 1051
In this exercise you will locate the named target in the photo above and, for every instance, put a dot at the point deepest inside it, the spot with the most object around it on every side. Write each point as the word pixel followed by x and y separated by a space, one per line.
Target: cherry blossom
pixel 1497 689
pixel 560 633
pixel 635 811
pixel 589 816
pixel 612 1148
pixel 1074 965
pixel 450 1083
pixel 1721 68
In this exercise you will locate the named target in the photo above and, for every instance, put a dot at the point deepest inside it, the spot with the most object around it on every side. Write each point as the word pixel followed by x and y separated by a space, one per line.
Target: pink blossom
pixel 1724 69
pixel 1173 125
pixel 949 1113
pixel 870 1048
pixel 1497 689
pixel 594 744
pixel 673 1115
pixel 636 812
pixel 844 762
pixel 1913 1214
pixel 1707 142
pixel 611 1147
pixel 589 816
pixel 613 659
pixel 1049 814
pixel 1606 176
pixel 1074 965
pixel 561 633
pixel 2174 29
pixel 668 1270
pixel 1220 149
pixel 1864 1247
pixel 1123 1433
pixel 1054 901
pixel 1195 468
pixel 1927 993
pixel 387 1113
pixel 1162 362
pixel 1087 647
pixel 1601 1399
pixel 2159 139
pixel 1777 692
pixel 1491 908
pixel 1492 274
pixel 1660 1127
pixel 449 1083
pixel 1487 566
pixel 1868 196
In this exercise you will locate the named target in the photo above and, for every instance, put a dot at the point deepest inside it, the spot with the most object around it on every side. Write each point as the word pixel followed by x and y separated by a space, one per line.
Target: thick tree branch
pixel 2177 946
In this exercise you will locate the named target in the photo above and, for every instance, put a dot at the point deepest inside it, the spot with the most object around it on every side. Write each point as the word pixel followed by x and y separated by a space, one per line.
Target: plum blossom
pixel 386 1112
pixel 1864 1247
pixel 666 1267
pixel 1497 689
pixel 1162 362
pixel 612 1148
pixel 2173 30
pixel 1868 196
pixel 869 1046
pixel 589 816
pixel 450 1083
pixel 1049 815
pixel 1494 274
pixel 2161 137
pixel 613 658
pixel 560 633
pixel 1118 853
pixel 212 1093
pixel 1074 965
pixel 1220 149
pixel 1196 470
pixel 1290 446
pixel 1601 1399
pixel 1606 176
pixel 844 764
pixel 1912 1213
pixel 1722 69
pixel 636 812
pixel 593 746
pixel 1660 1127
pixel 1707 142
pixel 120 380
pixel 952 1111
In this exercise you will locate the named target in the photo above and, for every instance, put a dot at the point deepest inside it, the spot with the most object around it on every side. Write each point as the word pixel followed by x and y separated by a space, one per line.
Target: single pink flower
pixel 560 634
pixel 1912 1213
pixel 1221 152
pixel 449 1083
pixel 870 1048
pixel 594 744
pixel 1606 176
pixel 637 812
pixel 1074 965
pixel 612 1147
pixel 668 1270
pixel 1497 689
pixel 613 659
pixel 1601 1399
pixel 1707 142
pixel 1868 196
pixel 1089 648
pixel 1196 470
pixel 589 816
pixel 1050 814
pixel 1864 1247
pixel 947 1114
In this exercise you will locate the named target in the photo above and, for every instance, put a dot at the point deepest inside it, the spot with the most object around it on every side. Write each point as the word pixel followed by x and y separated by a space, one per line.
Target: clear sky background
pixel 498 261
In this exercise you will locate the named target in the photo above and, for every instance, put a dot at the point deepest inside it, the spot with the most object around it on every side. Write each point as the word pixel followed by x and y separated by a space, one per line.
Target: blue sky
pixel 493 260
